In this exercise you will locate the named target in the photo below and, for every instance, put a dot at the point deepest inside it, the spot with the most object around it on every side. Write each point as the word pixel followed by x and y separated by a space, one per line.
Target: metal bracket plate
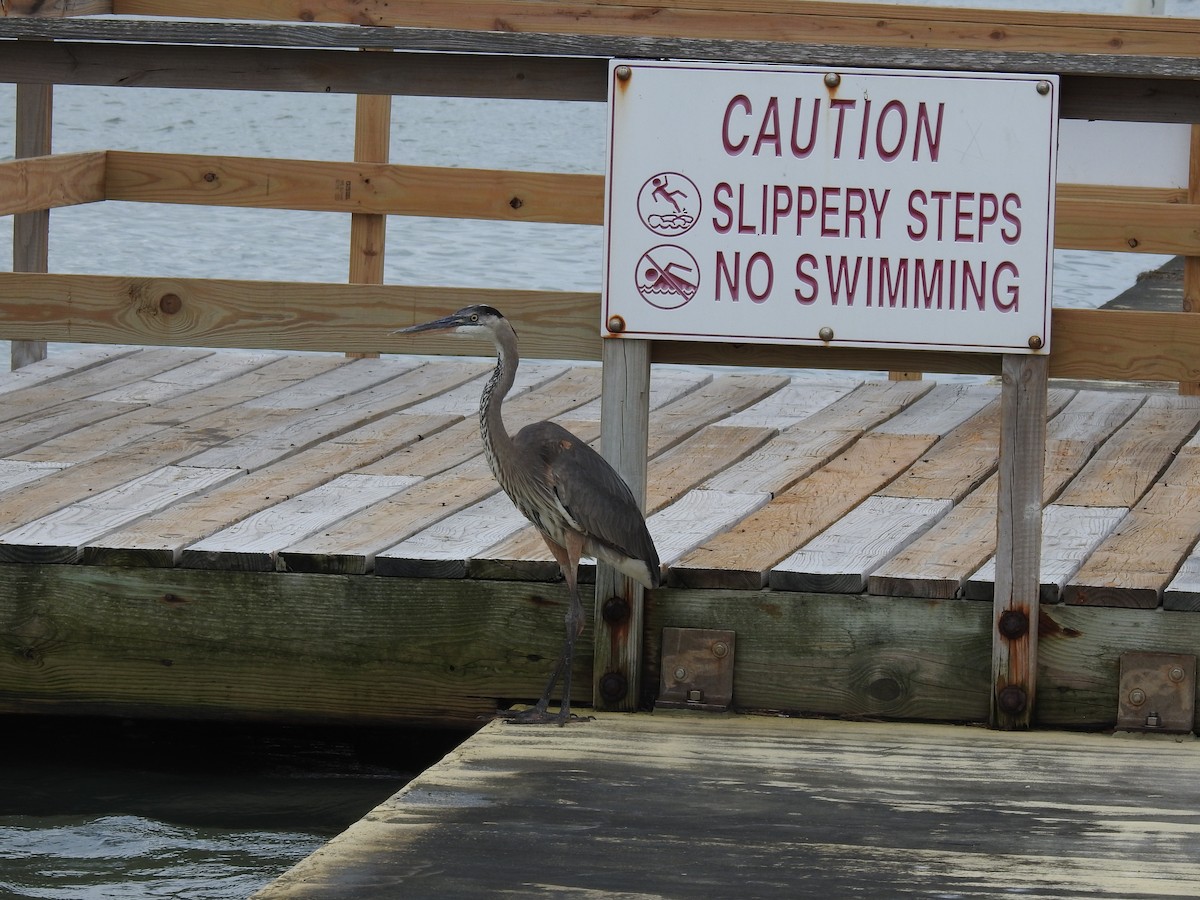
pixel 1157 692
pixel 697 669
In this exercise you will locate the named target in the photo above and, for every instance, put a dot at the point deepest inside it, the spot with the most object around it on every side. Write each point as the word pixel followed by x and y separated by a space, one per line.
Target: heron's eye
pixel 474 317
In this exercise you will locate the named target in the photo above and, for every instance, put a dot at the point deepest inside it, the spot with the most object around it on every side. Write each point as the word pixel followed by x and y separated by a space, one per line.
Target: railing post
pixel 1018 540
pixel 624 432
pixel 31 230
pixel 1191 264
pixel 368 231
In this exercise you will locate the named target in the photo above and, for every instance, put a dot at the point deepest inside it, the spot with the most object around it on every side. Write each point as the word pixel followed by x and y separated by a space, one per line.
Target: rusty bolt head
pixel 1137 697
pixel 1035 342
pixel 1176 674
pixel 825 334
pixel 613 687
pixel 623 73
pixel 1043 87
pixel 616 324
pixel 720 649
pixel 615 610
pixel 1013 624
pixel 680 673
pixel 1012 699
pixel 695 696
pixel 832 79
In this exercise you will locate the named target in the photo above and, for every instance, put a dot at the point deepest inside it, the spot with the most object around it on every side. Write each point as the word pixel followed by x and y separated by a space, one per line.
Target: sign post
pixel 848 208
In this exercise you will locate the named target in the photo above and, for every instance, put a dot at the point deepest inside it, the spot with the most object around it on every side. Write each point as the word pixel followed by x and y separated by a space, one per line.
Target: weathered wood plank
pixel 50 182
pixel 796 401
pixel 802 447
pixel 159 539
pixel 189 643
pixel 108 373
pixel 1137 560
pixel 834 23
pixel 79 432
pixel 16 472
pixel 444 549
pixel 939 561
pixel 201 373
pixel 376 188
pixel 1127 464
pixel 58 537
pixel 742 557
pixel 1069 535
pixel 207 419
pixel 957 463
pixel 70 433
pixel 252 543
pixel 495 73
pixel 840 558
pixel 848 809
pixel 66 361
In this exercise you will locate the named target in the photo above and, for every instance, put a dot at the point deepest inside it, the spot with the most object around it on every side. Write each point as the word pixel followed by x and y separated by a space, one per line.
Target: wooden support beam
pixel 31 230
pixel 624 434
pixel 1018 540
pixel 368 231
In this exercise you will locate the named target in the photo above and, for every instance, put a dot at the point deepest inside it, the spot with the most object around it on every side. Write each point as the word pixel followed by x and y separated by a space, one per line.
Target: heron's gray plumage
pixel 575 499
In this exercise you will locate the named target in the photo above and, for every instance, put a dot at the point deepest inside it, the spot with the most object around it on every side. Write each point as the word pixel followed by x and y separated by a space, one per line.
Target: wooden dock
pixel 246 461
pixel 689 805
pixel 311 537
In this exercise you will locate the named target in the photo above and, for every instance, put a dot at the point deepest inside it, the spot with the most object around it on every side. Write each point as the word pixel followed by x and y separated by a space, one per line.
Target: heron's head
pixel 470 321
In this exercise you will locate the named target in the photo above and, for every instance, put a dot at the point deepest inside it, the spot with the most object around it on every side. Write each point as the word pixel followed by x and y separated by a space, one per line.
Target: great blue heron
pixel 581 506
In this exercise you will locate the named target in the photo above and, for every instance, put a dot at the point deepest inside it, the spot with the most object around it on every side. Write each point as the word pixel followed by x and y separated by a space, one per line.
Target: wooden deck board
pixel 944 554
pixel 702 806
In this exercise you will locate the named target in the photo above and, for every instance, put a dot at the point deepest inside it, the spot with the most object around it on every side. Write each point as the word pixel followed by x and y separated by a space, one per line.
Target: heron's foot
pixel 540 716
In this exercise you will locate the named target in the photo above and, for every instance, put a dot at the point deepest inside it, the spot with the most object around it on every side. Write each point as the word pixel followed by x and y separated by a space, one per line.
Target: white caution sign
pixel 863 208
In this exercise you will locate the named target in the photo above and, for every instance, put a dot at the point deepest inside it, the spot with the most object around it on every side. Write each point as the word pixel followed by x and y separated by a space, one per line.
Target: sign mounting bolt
pixel 1043 87
pixel 616 324
pixel 623 73
pixel 825 334
pixel 1035 342
pixel 832 79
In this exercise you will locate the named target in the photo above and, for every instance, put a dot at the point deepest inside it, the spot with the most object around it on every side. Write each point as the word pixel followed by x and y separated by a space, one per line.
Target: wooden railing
pixel 1140 69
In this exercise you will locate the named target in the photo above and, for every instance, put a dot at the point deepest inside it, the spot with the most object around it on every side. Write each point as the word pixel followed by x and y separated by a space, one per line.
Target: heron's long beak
pixel 437 326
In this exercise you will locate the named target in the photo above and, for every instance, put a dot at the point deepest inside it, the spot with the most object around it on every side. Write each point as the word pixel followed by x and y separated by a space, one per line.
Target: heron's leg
pixel 568 561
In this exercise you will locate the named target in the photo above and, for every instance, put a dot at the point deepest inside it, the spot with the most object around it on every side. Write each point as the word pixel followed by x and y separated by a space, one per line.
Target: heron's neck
pixel 491 424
